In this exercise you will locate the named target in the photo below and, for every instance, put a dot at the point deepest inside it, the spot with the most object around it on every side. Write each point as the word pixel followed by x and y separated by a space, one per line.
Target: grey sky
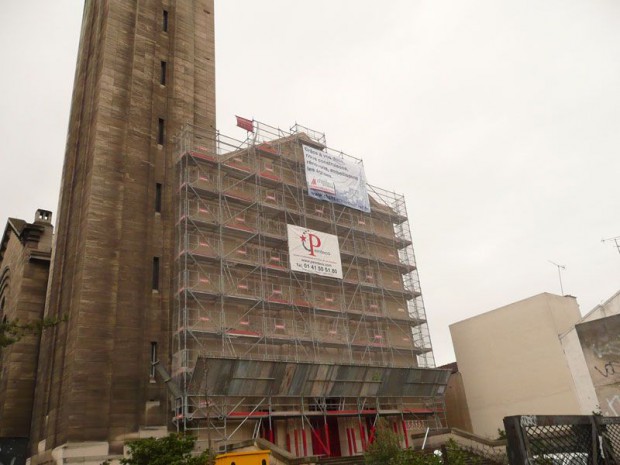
pixel 498 120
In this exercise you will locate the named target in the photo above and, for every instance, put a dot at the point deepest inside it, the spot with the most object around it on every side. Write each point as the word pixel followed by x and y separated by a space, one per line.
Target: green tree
pixel 175 449
pixel 11 331
pixel 385 448
pixel 456 455
pixel 413 457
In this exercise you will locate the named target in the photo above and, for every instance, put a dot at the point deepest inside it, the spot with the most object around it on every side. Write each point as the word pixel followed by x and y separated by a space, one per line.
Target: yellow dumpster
pixel 251 457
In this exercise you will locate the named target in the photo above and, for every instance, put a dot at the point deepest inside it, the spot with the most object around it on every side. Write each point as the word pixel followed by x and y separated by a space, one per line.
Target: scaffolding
pixel 238 299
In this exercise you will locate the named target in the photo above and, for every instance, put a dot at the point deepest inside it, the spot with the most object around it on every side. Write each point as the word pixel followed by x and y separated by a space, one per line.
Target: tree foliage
pixel 459 456
pixel 386 450
pixel 174 449
pixel 11 331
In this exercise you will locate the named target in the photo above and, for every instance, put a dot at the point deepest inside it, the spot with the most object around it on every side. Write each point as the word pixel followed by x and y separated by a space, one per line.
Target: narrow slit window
pixel 153 358
pixel 164 24
pixel 155 273
pixel 162 76
pixel 158 197
pixel 161 126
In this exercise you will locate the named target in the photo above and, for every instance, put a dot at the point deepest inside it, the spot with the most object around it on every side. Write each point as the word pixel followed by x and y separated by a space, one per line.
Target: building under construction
pixel 307 360
pixel 202 284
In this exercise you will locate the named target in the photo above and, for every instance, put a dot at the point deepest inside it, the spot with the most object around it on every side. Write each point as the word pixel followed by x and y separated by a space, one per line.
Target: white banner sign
pixel 335 179
pixel 314 252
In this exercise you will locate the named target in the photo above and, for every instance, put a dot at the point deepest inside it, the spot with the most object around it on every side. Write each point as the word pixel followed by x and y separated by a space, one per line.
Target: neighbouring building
pixel 592 351
pixel 25 251
pixel 457 411
pixel 512 361
pixel 234 289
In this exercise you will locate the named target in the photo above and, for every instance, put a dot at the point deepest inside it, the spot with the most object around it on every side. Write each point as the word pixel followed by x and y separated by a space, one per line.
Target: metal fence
pixel 563 439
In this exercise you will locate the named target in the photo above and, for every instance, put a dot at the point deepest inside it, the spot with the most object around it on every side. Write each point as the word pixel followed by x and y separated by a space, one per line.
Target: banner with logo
pixel 335 179
pixel 314 252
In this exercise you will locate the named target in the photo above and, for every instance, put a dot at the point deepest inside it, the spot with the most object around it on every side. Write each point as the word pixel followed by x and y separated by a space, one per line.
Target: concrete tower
pixel 144 69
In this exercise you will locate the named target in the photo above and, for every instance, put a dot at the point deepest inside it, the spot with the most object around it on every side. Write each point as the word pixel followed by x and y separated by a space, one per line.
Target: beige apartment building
pixel 512 361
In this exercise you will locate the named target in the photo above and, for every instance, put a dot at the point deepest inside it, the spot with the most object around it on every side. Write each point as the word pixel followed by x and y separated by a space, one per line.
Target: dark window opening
pixel 153 358
pixel 164 24
pixel 160 131
pixel 158 197
pixel 155 273
pixel 162 77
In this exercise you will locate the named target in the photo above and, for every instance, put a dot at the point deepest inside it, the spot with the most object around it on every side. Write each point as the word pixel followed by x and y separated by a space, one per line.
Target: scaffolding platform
pixel 238 299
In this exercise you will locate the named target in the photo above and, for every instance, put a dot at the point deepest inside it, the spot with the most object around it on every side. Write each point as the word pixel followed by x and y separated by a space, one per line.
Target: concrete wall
pixel 457 411
pixel 512 361
pixel 600 343
pixel 576 361
pixel 591 374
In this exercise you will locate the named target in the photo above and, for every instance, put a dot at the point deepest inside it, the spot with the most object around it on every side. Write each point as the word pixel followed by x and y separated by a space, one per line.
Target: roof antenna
pixel 615 240
pixel 560 268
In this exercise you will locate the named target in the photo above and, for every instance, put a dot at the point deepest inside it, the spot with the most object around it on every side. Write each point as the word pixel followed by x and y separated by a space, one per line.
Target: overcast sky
pixel 498 120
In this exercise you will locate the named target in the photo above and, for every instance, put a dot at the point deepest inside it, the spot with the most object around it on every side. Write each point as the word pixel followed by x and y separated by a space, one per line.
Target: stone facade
pixel 25 252
pixel 144 69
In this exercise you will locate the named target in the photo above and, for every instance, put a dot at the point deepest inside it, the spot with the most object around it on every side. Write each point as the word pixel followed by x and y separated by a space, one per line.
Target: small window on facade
pixel 153 358
pixel 155 273
pixel 160 131
pixel 162 77
pixel 164 24
pixel 158 197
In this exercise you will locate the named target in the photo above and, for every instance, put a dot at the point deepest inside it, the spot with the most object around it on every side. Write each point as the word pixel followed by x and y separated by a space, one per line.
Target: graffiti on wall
pixel 600 342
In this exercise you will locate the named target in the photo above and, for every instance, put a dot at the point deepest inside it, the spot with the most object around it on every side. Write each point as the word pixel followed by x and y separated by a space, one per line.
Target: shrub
pixel 385 449
pixel 175 449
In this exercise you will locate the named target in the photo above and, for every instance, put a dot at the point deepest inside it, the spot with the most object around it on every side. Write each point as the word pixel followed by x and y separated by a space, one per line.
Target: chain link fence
pixel 563 440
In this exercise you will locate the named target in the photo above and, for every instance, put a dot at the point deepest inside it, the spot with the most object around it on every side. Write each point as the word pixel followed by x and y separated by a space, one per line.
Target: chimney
pixel 43 216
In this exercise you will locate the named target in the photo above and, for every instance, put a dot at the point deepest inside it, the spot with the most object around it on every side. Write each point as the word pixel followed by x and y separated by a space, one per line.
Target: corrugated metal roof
pixel 257 378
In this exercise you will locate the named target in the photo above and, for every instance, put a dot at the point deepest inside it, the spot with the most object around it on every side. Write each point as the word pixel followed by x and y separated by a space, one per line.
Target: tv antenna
pixel 615 240
pixel 560 268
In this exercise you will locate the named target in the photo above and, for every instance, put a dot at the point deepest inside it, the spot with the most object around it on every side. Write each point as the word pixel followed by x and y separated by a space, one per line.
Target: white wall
pixel 512 361
pixel 585 392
